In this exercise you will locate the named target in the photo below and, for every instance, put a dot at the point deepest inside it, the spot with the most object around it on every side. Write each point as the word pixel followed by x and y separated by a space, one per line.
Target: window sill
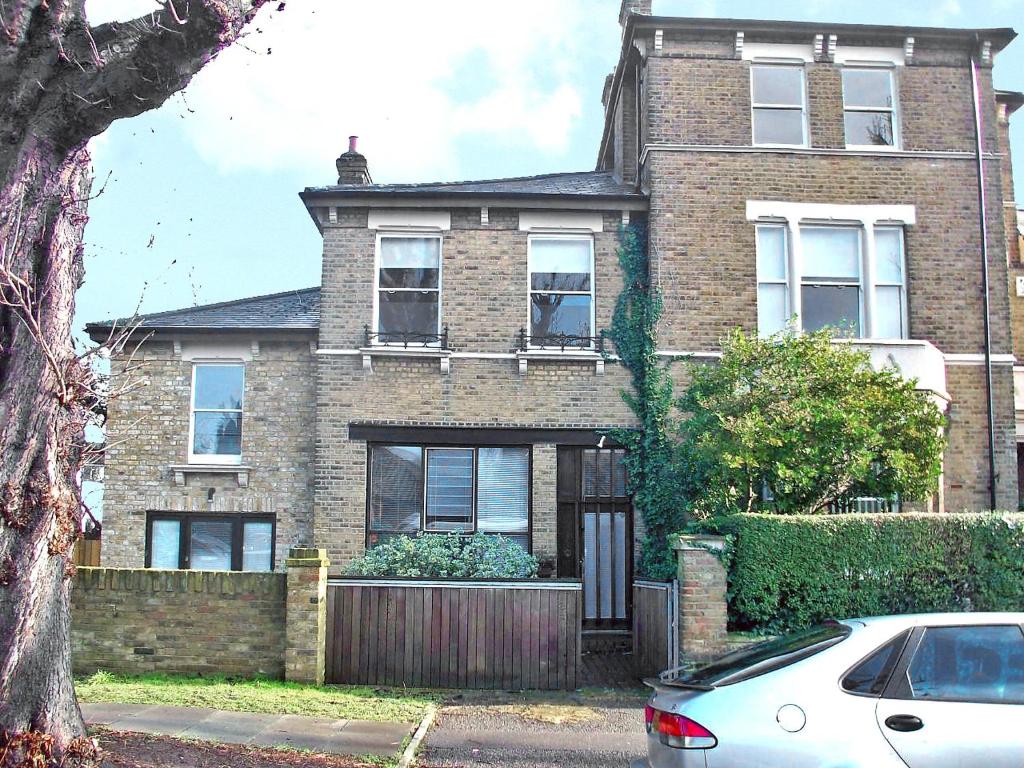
pixel 240 471
pixel 562 356
pixel 444 356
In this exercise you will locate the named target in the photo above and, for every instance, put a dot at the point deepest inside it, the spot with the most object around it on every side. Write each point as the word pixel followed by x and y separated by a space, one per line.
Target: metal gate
pixel 595 533
pixel 655 626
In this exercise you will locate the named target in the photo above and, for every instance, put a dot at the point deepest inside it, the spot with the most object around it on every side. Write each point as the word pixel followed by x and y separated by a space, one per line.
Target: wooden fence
pixel 655 626
pixel 508 635
pixel 87 553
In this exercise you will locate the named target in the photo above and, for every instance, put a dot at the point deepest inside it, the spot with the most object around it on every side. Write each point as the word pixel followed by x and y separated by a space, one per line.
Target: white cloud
pixel 413 79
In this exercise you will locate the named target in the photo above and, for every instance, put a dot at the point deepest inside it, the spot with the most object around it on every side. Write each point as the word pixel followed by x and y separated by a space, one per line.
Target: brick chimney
pixel 639 7
pixel 352 167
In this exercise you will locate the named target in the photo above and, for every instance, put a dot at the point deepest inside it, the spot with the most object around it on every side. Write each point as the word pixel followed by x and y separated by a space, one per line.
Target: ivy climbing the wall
pixel 656 462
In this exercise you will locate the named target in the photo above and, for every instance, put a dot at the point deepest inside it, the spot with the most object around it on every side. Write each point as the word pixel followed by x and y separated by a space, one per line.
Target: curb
pixel 417 738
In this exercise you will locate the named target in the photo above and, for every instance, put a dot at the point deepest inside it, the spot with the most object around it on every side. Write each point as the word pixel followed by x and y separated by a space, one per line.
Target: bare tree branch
pixel 145 61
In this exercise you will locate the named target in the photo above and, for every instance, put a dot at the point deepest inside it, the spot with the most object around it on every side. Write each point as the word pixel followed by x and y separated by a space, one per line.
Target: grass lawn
pixel 267 696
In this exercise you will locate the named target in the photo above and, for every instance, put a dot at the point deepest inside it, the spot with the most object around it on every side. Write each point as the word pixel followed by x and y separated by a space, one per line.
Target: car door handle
pixel 904 723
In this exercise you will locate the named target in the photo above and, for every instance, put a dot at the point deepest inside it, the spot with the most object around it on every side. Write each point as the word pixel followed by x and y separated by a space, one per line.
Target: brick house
pixel 447 374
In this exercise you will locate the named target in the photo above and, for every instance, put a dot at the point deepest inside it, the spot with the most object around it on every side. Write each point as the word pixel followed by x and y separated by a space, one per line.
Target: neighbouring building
pixel 448 375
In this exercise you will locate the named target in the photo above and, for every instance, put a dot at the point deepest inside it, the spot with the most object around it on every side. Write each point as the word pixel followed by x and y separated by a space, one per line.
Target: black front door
pixel 595 532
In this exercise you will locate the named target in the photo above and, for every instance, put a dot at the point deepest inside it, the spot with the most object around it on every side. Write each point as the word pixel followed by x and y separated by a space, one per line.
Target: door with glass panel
pixel 595 532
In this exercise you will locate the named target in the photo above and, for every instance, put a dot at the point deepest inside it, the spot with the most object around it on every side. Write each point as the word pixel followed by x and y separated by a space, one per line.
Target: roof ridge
pixel 215 305
pixel 483 181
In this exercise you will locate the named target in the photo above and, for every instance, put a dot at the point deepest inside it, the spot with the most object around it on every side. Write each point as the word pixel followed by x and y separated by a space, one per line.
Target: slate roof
pixel 286 311
pixel 580 184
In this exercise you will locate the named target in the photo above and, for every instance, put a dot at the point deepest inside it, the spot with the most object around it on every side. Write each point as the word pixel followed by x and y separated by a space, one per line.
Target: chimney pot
pixel 352 167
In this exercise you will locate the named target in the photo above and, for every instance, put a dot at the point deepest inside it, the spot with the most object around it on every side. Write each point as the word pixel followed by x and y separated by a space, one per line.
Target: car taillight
pixel 678 731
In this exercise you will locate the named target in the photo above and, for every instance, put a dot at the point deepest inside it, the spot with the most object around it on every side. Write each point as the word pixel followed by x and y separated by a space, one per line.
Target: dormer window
pixel 408 292
pixel 869 107
pixel 779 105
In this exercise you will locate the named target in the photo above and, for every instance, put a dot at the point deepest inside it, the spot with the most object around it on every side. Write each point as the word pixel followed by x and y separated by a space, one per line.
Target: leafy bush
pixel 788 572
pixel 810 419
pixel 480 556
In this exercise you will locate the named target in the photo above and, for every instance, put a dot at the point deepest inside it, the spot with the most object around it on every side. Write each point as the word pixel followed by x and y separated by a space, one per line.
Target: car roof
pixel 939 619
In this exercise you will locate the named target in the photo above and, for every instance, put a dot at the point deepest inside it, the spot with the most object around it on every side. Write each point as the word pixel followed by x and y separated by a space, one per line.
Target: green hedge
pixel 787 572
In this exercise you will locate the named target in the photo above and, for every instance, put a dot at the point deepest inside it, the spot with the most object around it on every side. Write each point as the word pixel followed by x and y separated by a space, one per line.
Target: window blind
pixel 396 488
pixel 449 489
pixel 503 490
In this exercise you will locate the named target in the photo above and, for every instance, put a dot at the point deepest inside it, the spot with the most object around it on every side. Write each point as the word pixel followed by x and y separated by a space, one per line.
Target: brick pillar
pixel 702 597
pixel 306 615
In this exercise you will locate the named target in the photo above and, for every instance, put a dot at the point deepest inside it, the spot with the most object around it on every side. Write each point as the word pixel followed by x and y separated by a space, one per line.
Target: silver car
pixel 926 691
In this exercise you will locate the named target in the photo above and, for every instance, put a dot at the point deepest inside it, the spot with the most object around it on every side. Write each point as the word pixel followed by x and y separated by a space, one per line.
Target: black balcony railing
pixel 406 338
pixel 560 341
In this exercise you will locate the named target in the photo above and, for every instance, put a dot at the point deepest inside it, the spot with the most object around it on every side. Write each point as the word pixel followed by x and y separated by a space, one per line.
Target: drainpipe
pixel 983 225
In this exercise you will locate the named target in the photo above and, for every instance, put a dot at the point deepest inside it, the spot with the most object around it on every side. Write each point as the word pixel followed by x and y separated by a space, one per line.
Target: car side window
pixel 982 664
pixel 870 675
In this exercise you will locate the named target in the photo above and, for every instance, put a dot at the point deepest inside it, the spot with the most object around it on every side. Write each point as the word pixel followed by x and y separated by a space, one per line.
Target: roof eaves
pixel 100 332
pixel 999 36
pixel 314 193
pixel 1014 100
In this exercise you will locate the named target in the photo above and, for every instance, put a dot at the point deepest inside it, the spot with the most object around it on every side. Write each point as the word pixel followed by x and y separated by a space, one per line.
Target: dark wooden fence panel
pixel 655 626
pixel 87 553
pixel 438 634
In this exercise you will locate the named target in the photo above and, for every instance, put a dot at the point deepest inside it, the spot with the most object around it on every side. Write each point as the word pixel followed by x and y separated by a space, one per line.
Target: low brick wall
pixel 135 621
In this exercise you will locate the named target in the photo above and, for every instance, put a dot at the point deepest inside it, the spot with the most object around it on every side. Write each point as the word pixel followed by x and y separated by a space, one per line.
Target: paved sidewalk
pixel 538 731
pixel 339 737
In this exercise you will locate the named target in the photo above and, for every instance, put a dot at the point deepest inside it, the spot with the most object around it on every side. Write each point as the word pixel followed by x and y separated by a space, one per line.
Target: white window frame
pixel 904 318
pixel 862 271
pixel 786 259
pixel 754 105
pixel 530 291
pixel 868 219
pixel 213 458
pixel 408 234
pixel 893 110
pixel 427 450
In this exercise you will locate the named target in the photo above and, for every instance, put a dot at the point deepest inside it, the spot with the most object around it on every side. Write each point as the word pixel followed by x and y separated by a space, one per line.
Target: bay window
pixel 561 290
pixel 216 418
pixel 407 308
pixel 440 489
pixel 830 281
pixel 773 310
pixel 890 284
pixel 210 542
pixel 850 278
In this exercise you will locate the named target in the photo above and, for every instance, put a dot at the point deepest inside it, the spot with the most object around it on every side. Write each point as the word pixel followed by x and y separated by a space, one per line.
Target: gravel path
pixel 537 730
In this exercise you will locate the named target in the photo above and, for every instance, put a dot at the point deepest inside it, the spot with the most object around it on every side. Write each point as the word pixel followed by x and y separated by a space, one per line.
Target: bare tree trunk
pixel 61 82
pixel 43 404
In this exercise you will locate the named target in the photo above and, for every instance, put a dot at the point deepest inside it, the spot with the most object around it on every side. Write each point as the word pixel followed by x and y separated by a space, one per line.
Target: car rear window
pixel 870 675
pixel 764 657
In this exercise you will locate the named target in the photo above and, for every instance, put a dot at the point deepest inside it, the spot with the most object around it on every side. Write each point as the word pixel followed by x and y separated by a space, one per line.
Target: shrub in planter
pixel 452 555
pixel 788 572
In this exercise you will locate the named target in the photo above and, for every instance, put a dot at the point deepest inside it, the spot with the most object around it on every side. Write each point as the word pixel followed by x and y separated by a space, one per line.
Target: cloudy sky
pixel 199 198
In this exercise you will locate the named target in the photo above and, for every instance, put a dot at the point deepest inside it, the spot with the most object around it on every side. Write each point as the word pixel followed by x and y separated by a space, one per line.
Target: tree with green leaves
pixel 796 423
pixel 804 417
